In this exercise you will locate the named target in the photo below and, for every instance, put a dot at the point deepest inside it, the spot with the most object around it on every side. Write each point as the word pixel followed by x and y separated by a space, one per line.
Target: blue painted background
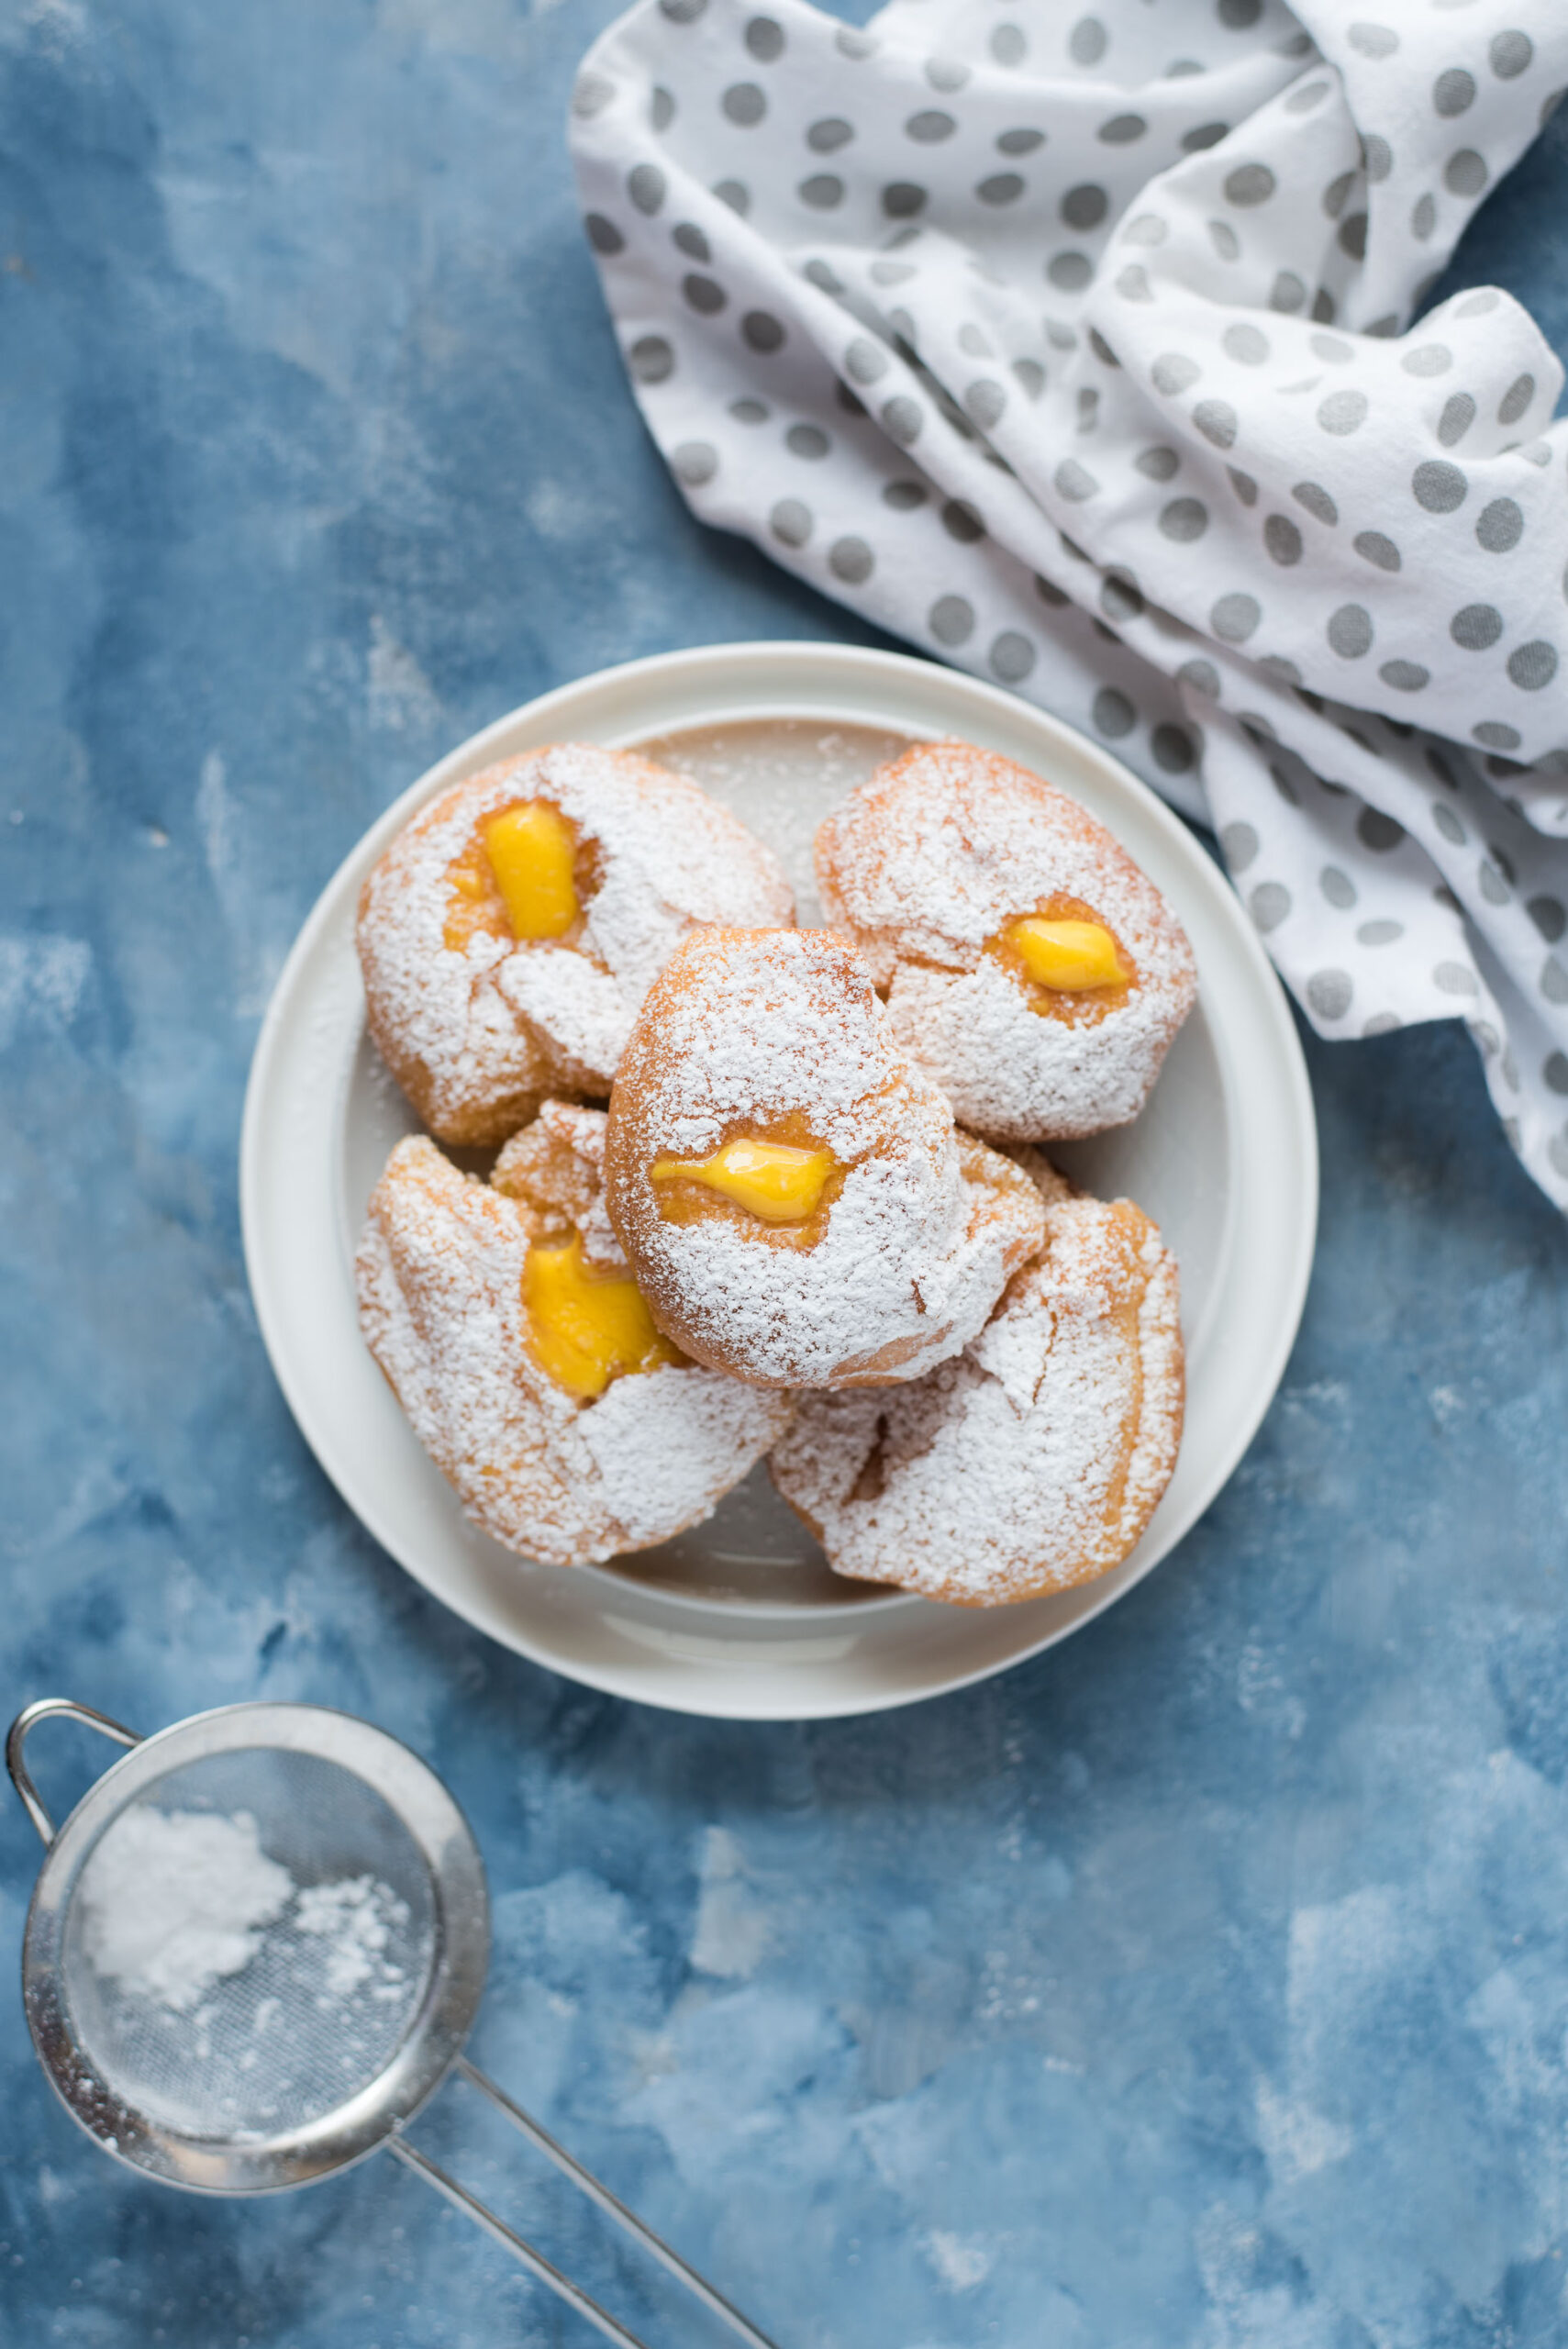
pixel 1204 1983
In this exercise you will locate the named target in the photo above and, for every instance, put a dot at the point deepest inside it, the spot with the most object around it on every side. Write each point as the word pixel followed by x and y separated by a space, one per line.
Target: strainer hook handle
pixel 43 1709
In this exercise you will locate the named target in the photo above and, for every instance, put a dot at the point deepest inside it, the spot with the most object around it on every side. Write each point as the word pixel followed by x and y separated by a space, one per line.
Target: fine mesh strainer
pixel 332 2011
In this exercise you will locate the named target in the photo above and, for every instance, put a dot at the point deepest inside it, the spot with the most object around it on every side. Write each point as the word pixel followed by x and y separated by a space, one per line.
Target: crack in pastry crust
pixel 1033 1462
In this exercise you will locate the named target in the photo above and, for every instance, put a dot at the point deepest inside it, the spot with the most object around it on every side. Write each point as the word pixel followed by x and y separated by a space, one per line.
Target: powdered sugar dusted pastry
pixel 793 1197
pixel 1031 970
pixel 526 1362
pixel 512 930
pixel 1035 1460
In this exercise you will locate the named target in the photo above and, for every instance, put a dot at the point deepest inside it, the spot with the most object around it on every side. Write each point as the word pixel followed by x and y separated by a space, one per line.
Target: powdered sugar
pixel 440 1274
pixel 1035 1460
pixel 560 993
pixel 748 1030
pixel 171 1902
pixel 357 1920
pixel 474 1035
pixel 932 858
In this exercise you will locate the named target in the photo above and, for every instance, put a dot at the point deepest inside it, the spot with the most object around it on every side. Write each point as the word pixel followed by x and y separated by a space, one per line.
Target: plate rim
pixel 830 667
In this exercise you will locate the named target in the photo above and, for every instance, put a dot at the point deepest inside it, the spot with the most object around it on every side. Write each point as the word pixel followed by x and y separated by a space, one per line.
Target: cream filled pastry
pixel 1030 969
pixel 513 928
pixel 518 1342
pixel 1034 1460
pixel 793 1197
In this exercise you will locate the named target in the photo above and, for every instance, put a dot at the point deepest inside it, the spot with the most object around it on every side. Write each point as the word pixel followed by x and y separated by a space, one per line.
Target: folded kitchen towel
pixel 1075 348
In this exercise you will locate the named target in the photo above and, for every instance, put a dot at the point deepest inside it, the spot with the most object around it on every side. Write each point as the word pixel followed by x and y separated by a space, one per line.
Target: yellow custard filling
pixel 588 1327
pixel 531 850
pixel 773 1181
pixel 1070 957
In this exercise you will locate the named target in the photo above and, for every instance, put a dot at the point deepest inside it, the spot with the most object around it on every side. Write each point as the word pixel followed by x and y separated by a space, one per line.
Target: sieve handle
pixel 534 2261
pixel 45 1709
pixel 614 2208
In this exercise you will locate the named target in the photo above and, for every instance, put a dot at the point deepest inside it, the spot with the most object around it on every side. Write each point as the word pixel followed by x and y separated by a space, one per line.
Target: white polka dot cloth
pixel 1075 348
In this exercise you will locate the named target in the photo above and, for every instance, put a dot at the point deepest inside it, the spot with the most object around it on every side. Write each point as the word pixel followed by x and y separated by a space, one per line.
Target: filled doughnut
pixel 1033 1462
pixel 513 928
pixel 526 1362
pixel 793 1197
pixel 1030 969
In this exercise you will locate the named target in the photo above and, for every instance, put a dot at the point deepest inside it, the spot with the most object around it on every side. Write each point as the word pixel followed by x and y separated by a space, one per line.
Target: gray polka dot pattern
pixel 1477 627
pixel 1458 416
pixel 1343 412
pixel 1173 374
pixel 1269 905
pixel 694 462
pixel 1282 538
pixel 1249 184
pixel 1330 993
pixel 1318 502
pixel 1184 519
pixel 1246 343
pixel 1234 617
pixel 1218 421
pixel 851 561
pixel 1085 206
pixel 827 137
pixel 903 419
pixel 1454 92
pixel 1500 526
pixel 645 185
pixel 1533 665
pixel 951 619
pixel 1071 345
pixel 650 359
pixel 1174 749
pixel 790 521
pixel 1438 487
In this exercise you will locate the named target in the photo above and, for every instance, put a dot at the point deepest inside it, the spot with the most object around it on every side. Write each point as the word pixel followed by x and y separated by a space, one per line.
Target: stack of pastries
pixel 771 1192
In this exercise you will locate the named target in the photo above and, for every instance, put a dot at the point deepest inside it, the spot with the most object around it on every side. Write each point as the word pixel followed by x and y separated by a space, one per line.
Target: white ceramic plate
pixel 741 1618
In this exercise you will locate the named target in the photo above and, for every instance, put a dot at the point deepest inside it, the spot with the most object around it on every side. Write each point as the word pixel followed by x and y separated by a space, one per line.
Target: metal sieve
pixel 290 2064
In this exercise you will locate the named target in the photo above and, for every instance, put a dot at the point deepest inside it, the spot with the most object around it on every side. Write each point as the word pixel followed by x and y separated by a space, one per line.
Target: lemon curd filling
pixel 530 850
pixel 588 1327
pixel 1070 957
pixel 474 903
pixel 772 1180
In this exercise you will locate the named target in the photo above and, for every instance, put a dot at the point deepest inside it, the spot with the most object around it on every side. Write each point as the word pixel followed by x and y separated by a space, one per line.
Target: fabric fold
pixel 1077 352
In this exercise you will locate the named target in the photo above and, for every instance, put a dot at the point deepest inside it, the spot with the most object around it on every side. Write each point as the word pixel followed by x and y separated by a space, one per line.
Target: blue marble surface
pixel 1203 1983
